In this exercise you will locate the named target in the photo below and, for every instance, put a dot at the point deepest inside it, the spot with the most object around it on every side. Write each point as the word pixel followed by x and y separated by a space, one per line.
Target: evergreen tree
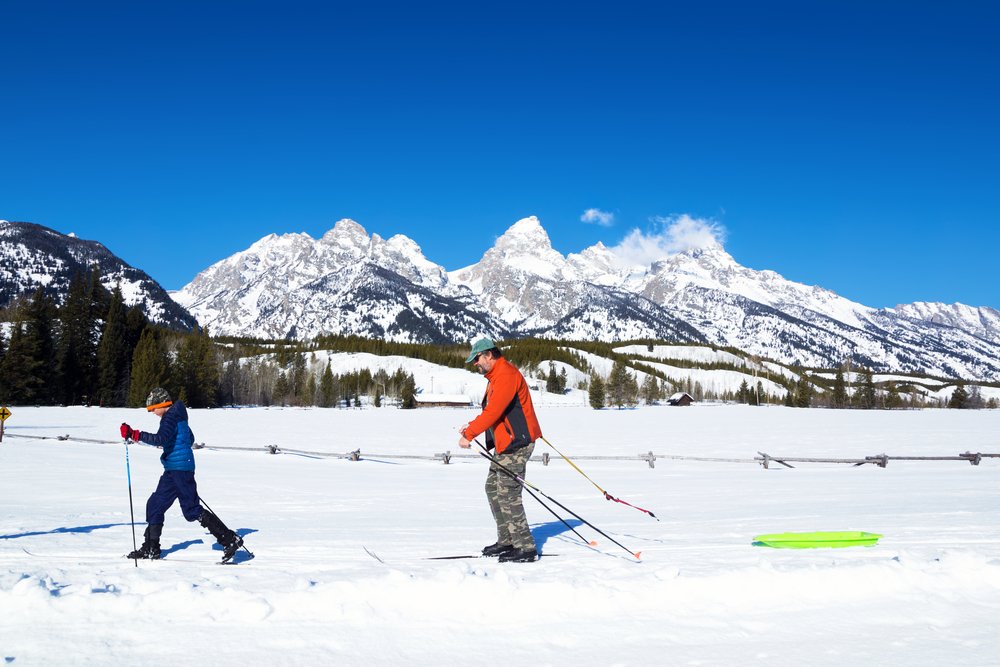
pixel 39 347
pixel 650 391
pixel 759 395
pixel 279 395
pixel 76 350
pixel 743 393
pixel 803 392
pixel 113 356
pixel 20 373
pixel 976 401
pixel 892 398
pixel 408 392
pixel 839 390
pixel 196 370
pixel 632 389
pixel 865 394
pixel 596 392
pixel 327 391
pixel 3 353
pixel 297 379
pixel 150 368
pixel 622 387
pixel 959 397
pixel 552 381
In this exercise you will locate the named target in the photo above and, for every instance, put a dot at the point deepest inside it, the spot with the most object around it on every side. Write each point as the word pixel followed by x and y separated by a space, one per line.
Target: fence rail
pixel 880 460
pixel 764 459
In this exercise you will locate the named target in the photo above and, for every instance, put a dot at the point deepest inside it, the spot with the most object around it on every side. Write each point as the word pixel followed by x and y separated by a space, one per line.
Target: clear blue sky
pixel 852 145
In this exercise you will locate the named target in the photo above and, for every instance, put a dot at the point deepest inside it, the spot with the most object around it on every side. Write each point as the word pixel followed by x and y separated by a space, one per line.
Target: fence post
pixel 974 459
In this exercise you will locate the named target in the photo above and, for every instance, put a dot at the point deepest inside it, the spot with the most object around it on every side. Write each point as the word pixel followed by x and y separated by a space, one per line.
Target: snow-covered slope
pixel 345 282
pixel 33 256
pixel 351 283
pixel 925 596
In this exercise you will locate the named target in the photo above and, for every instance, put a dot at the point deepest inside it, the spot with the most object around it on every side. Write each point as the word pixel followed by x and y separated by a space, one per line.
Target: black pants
pixel 174 485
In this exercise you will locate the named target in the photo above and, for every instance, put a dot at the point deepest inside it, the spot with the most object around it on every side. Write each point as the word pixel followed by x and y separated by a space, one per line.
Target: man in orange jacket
pixel 508 420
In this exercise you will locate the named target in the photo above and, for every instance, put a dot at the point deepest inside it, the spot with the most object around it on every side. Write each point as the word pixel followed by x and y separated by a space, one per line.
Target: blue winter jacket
pixel 175 437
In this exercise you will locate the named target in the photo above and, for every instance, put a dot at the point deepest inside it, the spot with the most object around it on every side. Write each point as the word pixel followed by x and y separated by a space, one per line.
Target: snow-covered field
pixel 927 594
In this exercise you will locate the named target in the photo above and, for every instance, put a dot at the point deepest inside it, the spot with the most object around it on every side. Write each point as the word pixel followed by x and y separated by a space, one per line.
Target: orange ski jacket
pixel 508 417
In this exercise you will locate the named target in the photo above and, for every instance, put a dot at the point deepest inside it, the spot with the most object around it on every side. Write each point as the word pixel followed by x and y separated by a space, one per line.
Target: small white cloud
pixel 669 236
pixel 596 216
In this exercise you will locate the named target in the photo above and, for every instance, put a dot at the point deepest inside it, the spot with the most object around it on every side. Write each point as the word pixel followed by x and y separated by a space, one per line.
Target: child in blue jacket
pixel 177 481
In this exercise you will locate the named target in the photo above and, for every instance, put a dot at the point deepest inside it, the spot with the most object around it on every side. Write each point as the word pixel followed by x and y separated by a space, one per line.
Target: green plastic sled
pixel 818 540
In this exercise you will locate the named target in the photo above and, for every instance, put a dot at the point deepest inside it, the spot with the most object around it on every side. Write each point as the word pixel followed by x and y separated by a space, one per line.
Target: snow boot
pixel 497 549
pixel 150 548
pixel 227 539
pixel 518 556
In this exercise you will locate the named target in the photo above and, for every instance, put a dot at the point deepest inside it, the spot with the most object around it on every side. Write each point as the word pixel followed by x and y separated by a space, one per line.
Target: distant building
pixel 442 401
pixel 680 398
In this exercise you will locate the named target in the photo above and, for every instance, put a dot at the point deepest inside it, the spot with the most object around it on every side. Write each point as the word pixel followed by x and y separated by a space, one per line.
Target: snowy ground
pixel 927 594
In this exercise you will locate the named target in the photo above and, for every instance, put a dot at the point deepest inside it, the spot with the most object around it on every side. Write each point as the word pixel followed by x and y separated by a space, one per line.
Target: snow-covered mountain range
pixel 32 256
pixel 350 282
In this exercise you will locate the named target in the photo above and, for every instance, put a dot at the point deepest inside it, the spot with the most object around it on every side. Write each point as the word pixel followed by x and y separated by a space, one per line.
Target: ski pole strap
pixel 608 496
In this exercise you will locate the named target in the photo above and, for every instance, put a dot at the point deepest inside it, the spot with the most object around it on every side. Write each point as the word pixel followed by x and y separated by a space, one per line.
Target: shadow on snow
pixel 543 531
pixel 70 529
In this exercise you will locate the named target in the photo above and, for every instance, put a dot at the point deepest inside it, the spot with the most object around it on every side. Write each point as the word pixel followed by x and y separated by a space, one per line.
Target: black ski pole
pixel 131 511
pixel 242 546
pixel 527 484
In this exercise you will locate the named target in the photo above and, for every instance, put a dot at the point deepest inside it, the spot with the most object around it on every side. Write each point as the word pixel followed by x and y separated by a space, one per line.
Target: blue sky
pixel 852 145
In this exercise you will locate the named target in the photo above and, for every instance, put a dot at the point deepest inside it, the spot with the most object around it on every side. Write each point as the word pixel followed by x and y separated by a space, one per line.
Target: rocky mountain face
pixel 348 282
pixel 32 256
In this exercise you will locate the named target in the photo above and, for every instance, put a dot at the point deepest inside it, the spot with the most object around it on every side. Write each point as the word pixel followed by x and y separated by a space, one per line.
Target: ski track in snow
pixel 927 594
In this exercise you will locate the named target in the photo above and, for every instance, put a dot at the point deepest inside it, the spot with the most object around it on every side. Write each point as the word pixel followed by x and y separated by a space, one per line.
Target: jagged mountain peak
pixel 525 233
pixel 347 235
pixel 353 282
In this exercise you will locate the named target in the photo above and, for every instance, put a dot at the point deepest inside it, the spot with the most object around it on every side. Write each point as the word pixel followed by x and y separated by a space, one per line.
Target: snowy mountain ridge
pixel 33 256
pixel 350 282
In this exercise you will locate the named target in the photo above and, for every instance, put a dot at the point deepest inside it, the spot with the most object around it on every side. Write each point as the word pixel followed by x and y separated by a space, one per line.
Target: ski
pixel 472 556
pixel 451 557
pixel 104 557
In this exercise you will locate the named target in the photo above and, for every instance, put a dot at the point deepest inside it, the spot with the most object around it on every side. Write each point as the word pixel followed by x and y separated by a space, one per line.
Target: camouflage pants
pixel 504 494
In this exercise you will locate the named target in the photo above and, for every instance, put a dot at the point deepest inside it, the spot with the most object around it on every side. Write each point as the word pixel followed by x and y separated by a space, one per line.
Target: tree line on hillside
pixel 93 349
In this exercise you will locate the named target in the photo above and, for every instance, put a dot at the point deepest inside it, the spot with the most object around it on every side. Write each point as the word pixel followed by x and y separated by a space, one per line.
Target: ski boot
pixel 227 539
pixel 497 549
pixel 150 548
